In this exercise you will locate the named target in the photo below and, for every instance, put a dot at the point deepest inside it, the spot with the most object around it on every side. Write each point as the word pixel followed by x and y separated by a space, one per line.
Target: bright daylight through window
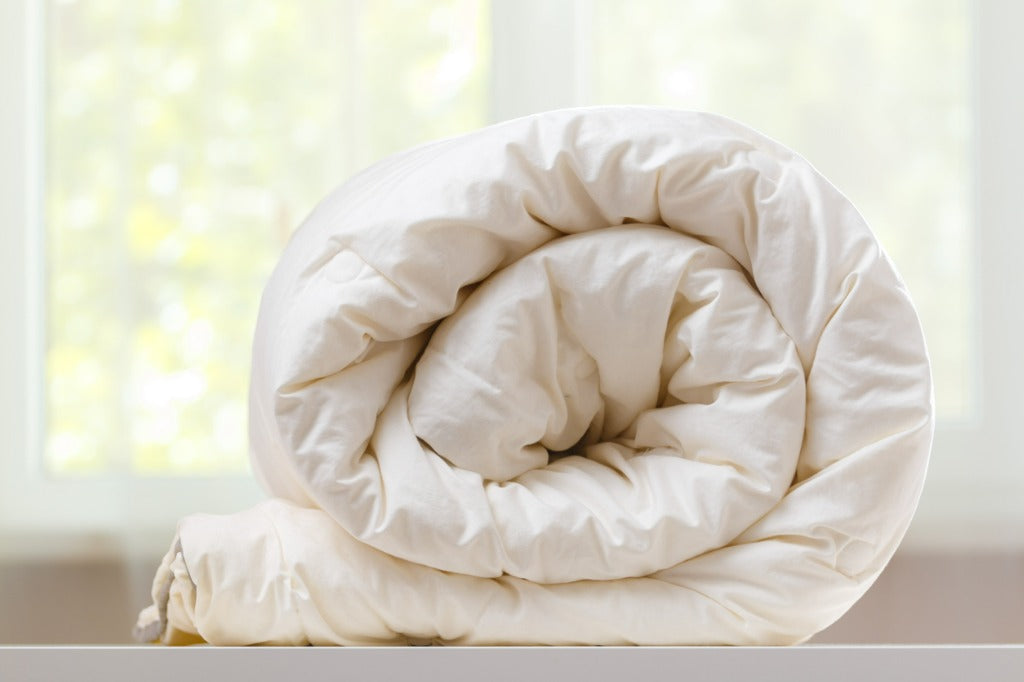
pixel 185 140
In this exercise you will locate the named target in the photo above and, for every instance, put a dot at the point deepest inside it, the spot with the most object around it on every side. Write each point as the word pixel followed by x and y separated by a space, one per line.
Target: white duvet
pixel 597 376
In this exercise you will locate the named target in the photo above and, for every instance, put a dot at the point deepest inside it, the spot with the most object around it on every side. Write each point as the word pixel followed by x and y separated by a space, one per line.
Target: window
pixel 185 141
pixel 164 151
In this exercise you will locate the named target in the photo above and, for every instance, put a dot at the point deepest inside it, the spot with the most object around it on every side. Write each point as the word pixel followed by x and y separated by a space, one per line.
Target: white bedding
pixel 597 376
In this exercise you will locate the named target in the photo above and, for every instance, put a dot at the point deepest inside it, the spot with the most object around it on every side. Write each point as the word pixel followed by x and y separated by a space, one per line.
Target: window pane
pixel 874 93
pixel 185 140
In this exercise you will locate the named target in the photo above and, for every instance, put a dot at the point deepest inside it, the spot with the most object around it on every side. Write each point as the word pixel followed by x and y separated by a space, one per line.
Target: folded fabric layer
pixel 616 375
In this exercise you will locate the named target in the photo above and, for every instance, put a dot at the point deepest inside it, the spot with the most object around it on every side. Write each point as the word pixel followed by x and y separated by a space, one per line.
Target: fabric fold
pixel 595 376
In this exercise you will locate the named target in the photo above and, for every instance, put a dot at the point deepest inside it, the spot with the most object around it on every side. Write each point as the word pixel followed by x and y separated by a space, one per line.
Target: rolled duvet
pixel 594 376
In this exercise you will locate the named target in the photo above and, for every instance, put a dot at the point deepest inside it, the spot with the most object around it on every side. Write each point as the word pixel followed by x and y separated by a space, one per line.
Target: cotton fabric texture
pixel 594 376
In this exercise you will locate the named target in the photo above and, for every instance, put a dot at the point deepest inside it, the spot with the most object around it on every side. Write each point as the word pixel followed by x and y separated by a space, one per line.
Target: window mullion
pixel 19 266
pixel 999 175
pixel 536 57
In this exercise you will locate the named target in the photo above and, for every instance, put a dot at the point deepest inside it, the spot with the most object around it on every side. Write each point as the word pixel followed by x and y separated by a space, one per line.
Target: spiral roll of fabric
pixel 594 376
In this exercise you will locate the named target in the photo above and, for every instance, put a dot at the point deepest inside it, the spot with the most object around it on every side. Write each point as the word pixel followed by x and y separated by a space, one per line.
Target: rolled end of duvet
pixel 597 376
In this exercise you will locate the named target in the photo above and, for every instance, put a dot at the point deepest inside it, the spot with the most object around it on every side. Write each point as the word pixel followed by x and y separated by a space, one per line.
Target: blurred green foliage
pixel 185 141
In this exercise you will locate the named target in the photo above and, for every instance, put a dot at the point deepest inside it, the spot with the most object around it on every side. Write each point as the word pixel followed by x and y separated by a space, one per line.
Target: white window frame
pixel 975 494
pixel 974 498
pixel 44 517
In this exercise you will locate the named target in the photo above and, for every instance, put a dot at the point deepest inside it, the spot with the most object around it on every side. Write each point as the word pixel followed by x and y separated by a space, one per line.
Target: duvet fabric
pixel 596 376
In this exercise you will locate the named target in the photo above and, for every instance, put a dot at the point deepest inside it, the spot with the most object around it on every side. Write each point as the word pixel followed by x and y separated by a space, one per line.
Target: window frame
pixel 42 517
pixel 973 498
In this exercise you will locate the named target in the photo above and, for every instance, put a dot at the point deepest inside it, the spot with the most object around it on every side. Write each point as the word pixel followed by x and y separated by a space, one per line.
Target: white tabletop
pixel 525 664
